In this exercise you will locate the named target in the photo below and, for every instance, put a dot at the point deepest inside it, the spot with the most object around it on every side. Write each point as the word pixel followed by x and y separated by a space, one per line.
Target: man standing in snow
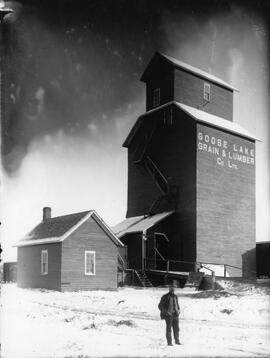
pixel 170 310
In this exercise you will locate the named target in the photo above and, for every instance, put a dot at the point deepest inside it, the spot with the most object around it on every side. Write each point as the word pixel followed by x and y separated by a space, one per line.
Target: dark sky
pixel 75 65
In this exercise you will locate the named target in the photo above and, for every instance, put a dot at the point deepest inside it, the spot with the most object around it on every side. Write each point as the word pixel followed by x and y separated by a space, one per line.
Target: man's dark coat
pixel 164 305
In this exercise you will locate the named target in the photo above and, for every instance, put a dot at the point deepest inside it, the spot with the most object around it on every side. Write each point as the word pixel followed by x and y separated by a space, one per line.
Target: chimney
pixel 47 213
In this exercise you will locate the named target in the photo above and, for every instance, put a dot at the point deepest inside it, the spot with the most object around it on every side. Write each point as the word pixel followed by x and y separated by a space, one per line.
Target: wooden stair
pixel 143 279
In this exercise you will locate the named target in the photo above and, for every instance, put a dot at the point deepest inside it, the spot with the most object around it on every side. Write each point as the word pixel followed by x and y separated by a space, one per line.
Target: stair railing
pixel 122 262
pixel 147 140
pixel 197 264
pixel 158 252
pixel 157 175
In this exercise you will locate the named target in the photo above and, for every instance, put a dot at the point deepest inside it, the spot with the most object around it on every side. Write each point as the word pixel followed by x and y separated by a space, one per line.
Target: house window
pixel 156 97
pixel 206 93
pixel 44 262
pixel 90 263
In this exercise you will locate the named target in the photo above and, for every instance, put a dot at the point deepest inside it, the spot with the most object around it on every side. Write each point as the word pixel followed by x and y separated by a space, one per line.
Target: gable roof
pixel 186 67
pixel 57 229
pixel 216 121
pixel 198 115
pixel 139 223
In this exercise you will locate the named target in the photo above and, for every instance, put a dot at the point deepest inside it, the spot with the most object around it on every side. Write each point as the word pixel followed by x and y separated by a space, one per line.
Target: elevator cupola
pixel 168 79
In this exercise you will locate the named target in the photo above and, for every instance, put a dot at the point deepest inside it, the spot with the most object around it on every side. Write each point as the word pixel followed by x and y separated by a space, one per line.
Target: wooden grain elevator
pixel 191 175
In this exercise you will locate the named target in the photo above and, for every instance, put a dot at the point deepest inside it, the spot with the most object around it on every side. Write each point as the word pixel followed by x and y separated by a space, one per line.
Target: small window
pixel 206 94
pixel 90 263
pixel 156 97
pixel 44 262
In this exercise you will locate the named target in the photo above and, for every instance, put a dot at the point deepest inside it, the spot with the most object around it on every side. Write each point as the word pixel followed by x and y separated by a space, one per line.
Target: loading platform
pixel 174 274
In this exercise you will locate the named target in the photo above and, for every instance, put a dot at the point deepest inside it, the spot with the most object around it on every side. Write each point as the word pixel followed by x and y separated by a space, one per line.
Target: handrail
pixel 163 258
pixel 123 262
pixel 153 169
pixel 162 234
pixel 207 268
pixel 156 203
pixel 147 140
pixel 202 264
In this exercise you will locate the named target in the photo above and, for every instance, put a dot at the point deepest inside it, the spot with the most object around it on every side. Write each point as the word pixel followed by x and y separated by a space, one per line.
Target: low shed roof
pixel 139 223
pixel 57 229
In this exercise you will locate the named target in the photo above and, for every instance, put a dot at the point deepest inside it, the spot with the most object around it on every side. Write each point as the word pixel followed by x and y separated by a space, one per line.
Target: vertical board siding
pixel 88 237
pixel 174 152
pixel 262 259
pixel 165 83
pixel 142 190
pixel 189 89
pixel 29 266
pixel 175 155
pixel 225 205
pixel 134 250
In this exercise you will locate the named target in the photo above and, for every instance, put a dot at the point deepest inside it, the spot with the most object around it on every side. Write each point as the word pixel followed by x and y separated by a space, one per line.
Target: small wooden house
pixel 70 252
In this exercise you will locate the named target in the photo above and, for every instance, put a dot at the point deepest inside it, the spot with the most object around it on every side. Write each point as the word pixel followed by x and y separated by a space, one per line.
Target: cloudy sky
pixel 73 93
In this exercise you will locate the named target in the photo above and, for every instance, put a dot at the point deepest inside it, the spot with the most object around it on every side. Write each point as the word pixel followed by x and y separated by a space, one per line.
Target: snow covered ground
pixel 41 323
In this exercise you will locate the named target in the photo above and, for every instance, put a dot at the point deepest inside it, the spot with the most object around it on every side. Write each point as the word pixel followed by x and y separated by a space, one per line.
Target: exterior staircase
pixel 143 279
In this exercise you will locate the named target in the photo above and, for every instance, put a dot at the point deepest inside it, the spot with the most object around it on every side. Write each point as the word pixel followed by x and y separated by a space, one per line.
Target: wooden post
pixel 168 266
pixel 144 238
pixel 213 280
pixel 225 269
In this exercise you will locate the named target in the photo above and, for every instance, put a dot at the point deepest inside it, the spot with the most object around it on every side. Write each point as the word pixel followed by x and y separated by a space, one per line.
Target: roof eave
pixel 230 130
pixel 61 238
pixel 129 229
pixel 198 73
pixel 213 80
pixel 37 242
pixel 107 229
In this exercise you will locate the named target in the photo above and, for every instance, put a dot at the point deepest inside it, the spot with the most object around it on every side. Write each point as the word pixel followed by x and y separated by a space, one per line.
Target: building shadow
pixel 249 264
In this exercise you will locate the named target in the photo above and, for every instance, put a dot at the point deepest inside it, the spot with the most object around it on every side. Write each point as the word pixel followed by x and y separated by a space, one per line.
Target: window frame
pixel 156 103
pixel 207 91
pixel 44 272
pixel 85 261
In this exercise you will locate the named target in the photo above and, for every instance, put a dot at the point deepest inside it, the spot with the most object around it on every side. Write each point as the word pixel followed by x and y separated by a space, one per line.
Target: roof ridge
pixel 61 216
pixel 197 70
pixel 132 224
pixel 231 126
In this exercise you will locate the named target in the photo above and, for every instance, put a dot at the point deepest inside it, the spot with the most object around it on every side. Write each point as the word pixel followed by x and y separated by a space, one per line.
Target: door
pixel 161 250
pixel 134 250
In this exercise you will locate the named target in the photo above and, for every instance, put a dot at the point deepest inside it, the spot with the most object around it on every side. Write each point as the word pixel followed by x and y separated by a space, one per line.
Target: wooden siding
pixel 89 236
pixel 165 83
pixel 175 155
pixel 225 203
pixel 262 259
pixel 189 89
pixel 174 152
pixel 139 200
pixel 29 266
pixel 154 261
pixel 134 250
